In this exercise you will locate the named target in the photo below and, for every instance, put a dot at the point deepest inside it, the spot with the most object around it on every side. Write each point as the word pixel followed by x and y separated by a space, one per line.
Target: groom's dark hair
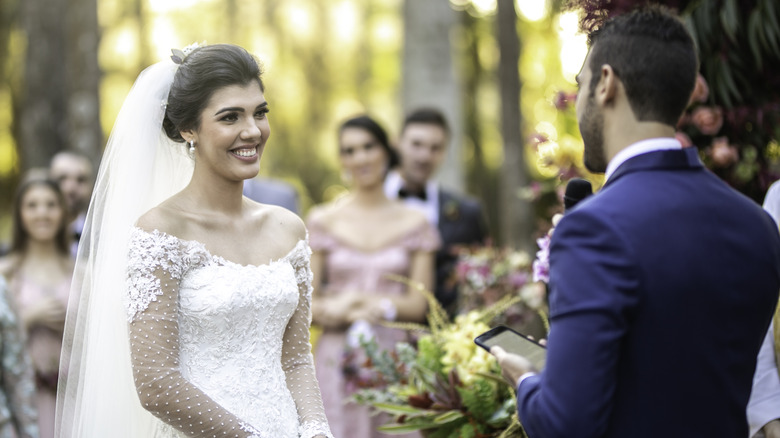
pixel 204 71
pixel 653 55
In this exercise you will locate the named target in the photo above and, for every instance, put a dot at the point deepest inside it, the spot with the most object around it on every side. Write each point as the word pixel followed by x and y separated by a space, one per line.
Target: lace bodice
pixel 221 349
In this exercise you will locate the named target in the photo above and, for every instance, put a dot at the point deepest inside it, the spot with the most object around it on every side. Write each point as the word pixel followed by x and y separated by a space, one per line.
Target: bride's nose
pixel 251 131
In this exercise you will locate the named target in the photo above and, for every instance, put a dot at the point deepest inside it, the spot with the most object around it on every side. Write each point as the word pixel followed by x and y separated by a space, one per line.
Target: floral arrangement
pixel 487 274
pixel 445 386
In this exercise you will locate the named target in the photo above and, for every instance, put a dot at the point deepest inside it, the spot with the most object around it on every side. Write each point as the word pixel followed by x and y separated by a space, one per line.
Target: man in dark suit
pixel 664 283
pixel 422 147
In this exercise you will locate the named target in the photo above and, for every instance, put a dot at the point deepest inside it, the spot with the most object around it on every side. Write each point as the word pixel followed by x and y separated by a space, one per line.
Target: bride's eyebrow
pixel 238 108
pixel 230 108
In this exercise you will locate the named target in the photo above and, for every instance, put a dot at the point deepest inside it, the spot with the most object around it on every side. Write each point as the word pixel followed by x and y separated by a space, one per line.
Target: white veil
pixel 141 167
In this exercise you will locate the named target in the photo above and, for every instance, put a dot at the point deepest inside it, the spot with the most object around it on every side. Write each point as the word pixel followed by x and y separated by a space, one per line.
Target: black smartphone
pixel 513 342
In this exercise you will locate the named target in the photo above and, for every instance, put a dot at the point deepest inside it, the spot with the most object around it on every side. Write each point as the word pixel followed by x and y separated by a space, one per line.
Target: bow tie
pixel 404 193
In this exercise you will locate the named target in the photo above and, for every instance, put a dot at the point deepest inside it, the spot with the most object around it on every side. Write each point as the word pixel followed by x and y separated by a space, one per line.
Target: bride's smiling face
pixel 233 131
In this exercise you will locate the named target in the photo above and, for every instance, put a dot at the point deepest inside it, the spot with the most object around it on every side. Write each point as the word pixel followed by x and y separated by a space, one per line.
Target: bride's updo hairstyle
pixel 200 74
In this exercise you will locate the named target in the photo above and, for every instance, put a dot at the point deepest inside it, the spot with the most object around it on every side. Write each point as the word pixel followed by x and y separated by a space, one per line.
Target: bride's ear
pixel 187 135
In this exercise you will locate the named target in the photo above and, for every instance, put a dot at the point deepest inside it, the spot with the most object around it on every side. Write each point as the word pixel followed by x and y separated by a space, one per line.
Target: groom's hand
pixel 512 365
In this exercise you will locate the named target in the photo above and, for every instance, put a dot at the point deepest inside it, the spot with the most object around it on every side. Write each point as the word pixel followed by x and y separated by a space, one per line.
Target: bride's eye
pixel 260 114
pixel 229 117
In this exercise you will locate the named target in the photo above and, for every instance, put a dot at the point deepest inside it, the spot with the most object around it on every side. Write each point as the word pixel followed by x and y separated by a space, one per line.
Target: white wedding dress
pixel 221 349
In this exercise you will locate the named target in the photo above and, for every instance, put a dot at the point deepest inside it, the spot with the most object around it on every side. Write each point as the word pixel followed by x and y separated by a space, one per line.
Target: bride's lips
pixel 245 153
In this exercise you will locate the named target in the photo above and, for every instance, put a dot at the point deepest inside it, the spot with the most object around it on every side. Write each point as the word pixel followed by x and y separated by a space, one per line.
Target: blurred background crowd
pixel 499 72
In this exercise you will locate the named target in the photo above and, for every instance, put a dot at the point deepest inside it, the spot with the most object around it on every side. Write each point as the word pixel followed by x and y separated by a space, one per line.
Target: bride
pixel 193 312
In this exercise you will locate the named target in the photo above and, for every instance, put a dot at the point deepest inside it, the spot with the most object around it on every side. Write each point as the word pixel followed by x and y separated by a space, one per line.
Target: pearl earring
pixel 192 147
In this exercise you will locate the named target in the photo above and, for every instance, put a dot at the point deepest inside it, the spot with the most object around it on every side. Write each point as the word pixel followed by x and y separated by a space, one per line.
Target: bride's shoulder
pixel 281 222
pixel 161 218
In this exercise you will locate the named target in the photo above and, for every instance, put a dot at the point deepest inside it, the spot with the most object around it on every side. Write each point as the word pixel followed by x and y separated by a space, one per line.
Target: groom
pixel 422 146
pixel 663 284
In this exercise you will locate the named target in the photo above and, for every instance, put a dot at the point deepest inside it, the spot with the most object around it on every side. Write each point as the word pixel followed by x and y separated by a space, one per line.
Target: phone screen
pixel 514 342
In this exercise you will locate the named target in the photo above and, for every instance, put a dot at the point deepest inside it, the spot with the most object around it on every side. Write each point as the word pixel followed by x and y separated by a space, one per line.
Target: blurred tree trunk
pixel 83 79
pixel 481 181
pixel 43 122
pixel 429 75
pixel 59 108
pixel 517 219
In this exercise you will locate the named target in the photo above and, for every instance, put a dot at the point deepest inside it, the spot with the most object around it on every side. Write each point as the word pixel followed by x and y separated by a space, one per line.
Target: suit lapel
pixel 687 158
pixel 444 224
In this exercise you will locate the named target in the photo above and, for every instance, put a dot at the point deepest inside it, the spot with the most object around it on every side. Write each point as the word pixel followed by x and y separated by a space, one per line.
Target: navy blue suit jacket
pixel 662 287
pixel 461 222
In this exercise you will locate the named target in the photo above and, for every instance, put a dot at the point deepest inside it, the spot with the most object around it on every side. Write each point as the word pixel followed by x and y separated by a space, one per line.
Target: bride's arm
pixel 297 359
pixel 154 270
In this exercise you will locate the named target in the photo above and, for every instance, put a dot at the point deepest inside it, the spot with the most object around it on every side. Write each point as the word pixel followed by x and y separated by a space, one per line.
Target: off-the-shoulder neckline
pixel 200 245
pixel 391 243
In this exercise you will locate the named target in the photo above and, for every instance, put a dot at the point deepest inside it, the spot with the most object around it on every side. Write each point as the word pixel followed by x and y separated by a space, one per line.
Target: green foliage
pixel 447 386
pixel 481 399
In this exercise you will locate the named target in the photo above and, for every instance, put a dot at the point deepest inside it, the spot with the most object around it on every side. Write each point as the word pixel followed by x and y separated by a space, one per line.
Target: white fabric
pixel 764 403
pixel 140 168
pixel 429 207
pixel 772 201
pixel 232 339
pixel 97 396
pixel 639 148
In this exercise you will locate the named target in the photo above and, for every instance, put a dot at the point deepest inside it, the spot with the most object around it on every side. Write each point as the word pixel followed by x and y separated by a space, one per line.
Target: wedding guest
pixel 74 174
pixel 39 270
pixel 18 414
pixel 193 308
pixel 663 284
pixel 357 241
pixel 422 146
pixel 763 410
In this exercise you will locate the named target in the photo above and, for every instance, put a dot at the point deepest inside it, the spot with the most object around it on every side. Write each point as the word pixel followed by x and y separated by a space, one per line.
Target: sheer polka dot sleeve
pixel 155 267
pixel 297 359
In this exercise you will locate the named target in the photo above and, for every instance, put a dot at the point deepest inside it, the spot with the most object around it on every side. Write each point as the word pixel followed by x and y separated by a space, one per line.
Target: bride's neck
pixel 217 196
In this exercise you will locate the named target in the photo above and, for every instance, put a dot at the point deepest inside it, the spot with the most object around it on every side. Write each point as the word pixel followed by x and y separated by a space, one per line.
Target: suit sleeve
pixel 478 221
pixel 593 293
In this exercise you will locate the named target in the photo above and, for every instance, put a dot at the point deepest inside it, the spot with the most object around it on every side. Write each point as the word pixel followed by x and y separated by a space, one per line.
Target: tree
pixel 517 222
pixel 59 107
pixel 429 78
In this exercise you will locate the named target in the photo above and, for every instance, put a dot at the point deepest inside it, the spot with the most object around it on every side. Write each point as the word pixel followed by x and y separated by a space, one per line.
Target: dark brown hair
pixel 371 126
pixel 204 71
pixel 19 236
pixel 653 55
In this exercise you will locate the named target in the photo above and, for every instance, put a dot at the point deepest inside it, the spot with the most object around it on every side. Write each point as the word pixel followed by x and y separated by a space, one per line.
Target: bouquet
pixel 445 385
pixel 487 274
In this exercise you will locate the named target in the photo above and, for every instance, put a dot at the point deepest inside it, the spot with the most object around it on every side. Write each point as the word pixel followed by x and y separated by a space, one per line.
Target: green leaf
pixel 402 428
pixel 729 19
pixel 448 417
pixel 401 409
pixel 729 79
pixel 753 27
pixel 771 27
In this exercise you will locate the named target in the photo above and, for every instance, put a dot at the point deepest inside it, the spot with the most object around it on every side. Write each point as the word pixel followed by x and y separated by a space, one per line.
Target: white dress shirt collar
pixel 430 207
pixel 639 148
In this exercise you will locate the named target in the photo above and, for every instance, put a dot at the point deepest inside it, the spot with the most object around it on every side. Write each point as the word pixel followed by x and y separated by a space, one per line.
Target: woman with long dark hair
pixel 39 270
pixel 358 240
pixel 193 314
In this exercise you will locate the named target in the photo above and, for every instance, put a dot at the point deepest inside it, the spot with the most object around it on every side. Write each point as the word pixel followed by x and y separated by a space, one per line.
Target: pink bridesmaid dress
pixel 349 269
pixel 44 346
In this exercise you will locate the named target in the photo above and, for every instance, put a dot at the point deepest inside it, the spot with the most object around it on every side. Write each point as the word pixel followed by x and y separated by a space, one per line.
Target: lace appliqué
pixel 299 259
pixel 249 429
pixel 222 349
pixel 313 428
pixel 148 253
